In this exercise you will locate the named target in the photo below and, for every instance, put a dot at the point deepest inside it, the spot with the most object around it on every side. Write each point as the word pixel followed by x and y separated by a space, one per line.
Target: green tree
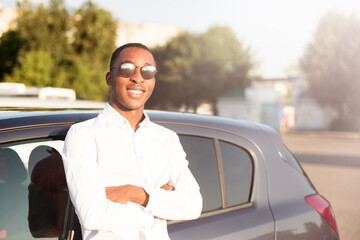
pixel 55 49
pixel 95 33
pixel 175 65
pixel 87 81
pixel 206 84
pixel 36 69
pixel 331 66
pixel 43 44
pixel 10 45
pixel 93 43
pixel 195 68
pixel 220 45
pixel 45 29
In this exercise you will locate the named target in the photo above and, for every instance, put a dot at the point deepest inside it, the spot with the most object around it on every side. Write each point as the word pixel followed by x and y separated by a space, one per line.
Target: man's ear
pixel 108 79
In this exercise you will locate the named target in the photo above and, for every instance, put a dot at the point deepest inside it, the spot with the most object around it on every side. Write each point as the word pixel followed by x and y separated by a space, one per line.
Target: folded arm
pixel 185 201
pixel 127 193
pixel 87 190
pixel 180 199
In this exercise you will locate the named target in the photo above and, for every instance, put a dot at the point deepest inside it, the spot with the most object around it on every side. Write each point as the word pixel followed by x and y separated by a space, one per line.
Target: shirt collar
pixel 146 121
pixel 114 117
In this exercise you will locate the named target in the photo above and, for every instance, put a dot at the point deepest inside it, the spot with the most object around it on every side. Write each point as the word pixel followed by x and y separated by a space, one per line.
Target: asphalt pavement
pixel 332 161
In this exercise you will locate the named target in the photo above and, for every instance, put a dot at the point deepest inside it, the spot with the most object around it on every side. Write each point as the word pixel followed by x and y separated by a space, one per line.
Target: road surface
pixel 332 161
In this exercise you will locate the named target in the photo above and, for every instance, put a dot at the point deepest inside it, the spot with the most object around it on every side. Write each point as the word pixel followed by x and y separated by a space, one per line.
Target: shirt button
pixel 125 122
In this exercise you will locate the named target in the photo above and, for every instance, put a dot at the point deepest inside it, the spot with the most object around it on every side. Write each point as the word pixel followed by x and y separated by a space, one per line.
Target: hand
pixel 167 187
pixel 127 193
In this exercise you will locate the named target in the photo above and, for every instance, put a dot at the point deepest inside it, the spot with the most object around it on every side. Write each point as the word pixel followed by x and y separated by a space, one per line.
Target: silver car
pixel 253 188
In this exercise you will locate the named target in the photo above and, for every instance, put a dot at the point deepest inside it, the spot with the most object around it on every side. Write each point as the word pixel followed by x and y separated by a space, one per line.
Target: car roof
pixel 18 119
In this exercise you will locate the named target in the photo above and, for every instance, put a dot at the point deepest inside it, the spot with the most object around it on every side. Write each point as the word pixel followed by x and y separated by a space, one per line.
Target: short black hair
pixel 117 52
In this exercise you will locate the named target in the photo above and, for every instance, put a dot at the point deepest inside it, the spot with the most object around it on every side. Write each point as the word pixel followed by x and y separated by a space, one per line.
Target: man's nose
pixel 137 78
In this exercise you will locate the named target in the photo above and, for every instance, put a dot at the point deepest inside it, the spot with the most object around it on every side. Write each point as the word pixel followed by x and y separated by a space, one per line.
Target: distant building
pixel 148 33
pixel 283 104
pixel 7 17
pixel 289 88
pixel 8 89
pixel 267 101
pixel 18 96
pixel 310 115
pixel 253 104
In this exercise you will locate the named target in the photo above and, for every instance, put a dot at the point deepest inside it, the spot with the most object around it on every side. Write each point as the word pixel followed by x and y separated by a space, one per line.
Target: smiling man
pixel 127 175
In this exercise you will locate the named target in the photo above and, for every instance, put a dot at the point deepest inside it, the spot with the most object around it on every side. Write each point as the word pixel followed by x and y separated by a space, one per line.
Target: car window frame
pixel 213 133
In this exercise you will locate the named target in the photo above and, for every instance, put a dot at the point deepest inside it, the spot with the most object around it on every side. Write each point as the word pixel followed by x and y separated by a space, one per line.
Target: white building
pixel 311 116
pixel 267 101
pixel 253 104
pixel 7 17
pixel 148 33
pixel 17 95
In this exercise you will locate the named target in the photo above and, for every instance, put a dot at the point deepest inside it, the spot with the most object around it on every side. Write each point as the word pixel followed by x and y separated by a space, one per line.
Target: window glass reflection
pixel 238 169
pixel 33 193
pixel 202 163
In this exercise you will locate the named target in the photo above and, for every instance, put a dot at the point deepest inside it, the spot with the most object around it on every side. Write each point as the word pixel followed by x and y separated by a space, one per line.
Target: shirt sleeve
pixel 185 202
pixel 87 190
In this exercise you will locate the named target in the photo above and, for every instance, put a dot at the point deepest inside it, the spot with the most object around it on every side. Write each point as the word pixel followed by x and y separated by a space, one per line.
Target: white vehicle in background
pixel 17 95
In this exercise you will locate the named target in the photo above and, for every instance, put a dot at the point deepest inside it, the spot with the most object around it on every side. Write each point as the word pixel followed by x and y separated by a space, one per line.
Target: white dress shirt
pixel 106 151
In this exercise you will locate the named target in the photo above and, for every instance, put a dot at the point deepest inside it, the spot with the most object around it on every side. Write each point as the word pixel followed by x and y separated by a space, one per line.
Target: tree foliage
pixel 195 68
pixel 175 63
pixel 36 69
pixel 10 45
pixel 51 48
pixel 331 64
pixel 44 28
pixel 88 80
pixel 93 42
pixel 221 46
pixel 95 33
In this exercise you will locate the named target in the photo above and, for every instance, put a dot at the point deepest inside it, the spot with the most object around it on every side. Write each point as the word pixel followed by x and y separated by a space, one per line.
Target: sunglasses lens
pixel 148 72
pixel 127 70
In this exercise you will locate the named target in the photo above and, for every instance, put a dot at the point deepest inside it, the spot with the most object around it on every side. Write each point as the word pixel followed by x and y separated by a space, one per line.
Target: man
pixel 126 174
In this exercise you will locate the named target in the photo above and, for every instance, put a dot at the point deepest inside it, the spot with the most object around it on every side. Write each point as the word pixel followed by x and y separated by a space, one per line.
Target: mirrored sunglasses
pixel 128 70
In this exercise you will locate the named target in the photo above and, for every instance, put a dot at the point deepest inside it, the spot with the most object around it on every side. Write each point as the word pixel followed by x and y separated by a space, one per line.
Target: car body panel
pixel 247 223
pixel 286 212
pixel 276 208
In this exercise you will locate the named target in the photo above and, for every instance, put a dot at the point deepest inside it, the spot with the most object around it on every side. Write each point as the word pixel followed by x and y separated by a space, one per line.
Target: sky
pixel 277 31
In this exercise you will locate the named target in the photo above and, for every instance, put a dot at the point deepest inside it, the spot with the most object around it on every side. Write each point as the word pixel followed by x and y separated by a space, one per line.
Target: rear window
pixel 238 171
pixel 203 165
pixel 223 170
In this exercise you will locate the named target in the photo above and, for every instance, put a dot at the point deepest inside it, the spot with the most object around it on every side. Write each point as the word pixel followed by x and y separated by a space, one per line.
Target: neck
pixel 133 116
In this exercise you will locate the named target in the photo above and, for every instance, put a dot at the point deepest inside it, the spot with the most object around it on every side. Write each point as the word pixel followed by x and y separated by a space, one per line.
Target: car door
pixel 232 177
pixel 234 207
pixel 34 201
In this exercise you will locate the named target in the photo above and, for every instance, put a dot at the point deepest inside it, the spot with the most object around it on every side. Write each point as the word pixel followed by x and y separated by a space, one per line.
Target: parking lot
pixel 332 161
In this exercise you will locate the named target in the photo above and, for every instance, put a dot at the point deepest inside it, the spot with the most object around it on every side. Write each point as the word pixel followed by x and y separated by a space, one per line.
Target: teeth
pixel 135 91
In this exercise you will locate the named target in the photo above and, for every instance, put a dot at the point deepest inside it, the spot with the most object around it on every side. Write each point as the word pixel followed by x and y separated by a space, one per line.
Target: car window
pixel 33 192
pixel 238 171
pixel 203 164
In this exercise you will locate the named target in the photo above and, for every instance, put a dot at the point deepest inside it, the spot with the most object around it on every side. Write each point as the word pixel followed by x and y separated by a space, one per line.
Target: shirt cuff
pixel 157 200
pixel 146 219
pixel 154 200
